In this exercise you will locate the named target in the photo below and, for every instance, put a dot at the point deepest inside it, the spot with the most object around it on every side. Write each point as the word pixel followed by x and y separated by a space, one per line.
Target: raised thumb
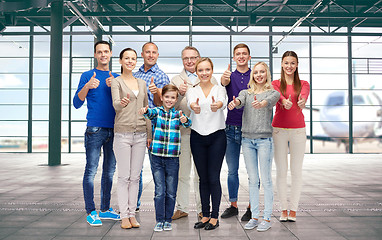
pixel 180 113
pixel 128 96
pixel 111 75
pixel 290 98
pixel 254 98
pixel 213 99
pixel 197 101
pixel 152 80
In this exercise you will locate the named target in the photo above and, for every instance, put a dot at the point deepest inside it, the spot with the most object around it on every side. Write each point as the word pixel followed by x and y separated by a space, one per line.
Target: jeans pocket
pixel 92 130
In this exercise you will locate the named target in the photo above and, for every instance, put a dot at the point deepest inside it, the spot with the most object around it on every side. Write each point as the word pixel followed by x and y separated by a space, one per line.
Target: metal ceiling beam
pixel 70 21
pixel 213 19
pixel 79 14
pixel 232 6
pixel 169 33
pixel 179 10
pixel 206 14
pixel 146 8
pixel 36 23
pixel 127 9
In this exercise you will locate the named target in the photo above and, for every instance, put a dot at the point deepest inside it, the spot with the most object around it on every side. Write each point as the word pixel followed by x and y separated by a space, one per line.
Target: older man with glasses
pixel 186 79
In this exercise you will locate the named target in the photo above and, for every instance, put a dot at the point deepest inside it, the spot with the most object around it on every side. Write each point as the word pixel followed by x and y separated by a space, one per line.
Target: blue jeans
pixel 165 172
pixel 259 152
pixel 232 156
pixel 95 139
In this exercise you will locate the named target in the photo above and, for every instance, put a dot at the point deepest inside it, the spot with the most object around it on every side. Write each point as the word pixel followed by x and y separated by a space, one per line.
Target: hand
pixel 148 142
pixel 301 102
pixel 153 89
pixel 214 106
pixel 93 82
pixel 227 73
pixel 182 118
pixel 108 80
pixel 143 110
pixel 183 87
pixel 195 106
pixel 287 103
pixel 256 104
pixel 234 103
pixel 125 101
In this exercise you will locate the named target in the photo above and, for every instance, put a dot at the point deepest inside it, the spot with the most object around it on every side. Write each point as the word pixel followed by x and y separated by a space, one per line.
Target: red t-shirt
pixel 292 118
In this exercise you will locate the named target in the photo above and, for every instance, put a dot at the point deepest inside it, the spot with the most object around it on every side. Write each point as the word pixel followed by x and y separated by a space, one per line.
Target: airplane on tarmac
pixel 334 117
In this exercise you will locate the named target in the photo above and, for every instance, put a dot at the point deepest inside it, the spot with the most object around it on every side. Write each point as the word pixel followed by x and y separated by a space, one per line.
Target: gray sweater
pixel 257 123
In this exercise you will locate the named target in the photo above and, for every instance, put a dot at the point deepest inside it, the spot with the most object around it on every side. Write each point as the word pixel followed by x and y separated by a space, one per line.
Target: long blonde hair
pixel 252 85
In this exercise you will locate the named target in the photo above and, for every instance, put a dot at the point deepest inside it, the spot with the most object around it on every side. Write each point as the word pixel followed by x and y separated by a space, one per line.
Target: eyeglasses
pixel 186 59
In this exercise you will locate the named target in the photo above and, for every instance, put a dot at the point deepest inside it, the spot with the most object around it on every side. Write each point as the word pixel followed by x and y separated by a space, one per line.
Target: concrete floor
pixel 341 199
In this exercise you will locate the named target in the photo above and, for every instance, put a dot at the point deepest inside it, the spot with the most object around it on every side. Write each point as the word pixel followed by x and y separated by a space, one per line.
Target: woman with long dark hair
pixel 289 133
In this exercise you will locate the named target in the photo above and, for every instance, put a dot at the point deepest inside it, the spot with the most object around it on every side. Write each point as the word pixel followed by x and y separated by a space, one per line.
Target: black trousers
pixel 208 153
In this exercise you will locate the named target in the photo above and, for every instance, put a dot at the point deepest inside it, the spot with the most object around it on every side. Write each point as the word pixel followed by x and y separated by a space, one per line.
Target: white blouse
pixel 207 122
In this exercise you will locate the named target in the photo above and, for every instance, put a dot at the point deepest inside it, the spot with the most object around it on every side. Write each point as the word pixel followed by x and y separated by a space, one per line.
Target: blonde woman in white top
pixel 132 132
pixel 208 140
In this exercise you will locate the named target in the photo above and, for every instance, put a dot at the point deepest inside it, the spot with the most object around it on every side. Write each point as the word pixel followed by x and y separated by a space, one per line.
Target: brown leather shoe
pixel 125 223
pixel 179 214
pixel 134 222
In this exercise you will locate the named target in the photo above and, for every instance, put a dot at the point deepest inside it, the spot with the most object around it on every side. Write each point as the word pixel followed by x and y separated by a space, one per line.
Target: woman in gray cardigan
pixel 257 143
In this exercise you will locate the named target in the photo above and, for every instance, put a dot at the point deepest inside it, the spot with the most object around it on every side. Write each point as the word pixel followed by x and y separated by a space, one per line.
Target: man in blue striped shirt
pixel 155 80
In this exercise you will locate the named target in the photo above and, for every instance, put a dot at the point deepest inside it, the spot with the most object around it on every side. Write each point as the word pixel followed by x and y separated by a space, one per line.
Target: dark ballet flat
pixel 201 224
pixel 209 226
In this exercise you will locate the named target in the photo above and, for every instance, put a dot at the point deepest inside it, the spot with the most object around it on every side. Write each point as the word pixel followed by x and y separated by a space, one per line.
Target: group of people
pixel 182 124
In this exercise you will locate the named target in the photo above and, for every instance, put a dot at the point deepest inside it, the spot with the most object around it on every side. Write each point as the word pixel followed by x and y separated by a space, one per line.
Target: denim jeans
pixel 259 152
pixel 232 156
pixel 165 172
pixel 95 139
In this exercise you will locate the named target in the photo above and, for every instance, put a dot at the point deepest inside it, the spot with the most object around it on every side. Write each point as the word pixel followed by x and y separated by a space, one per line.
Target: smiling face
pixel 204 71
pixel 150 55
pixel 241 56
pixel 289 65
pixel 102 54
pixel 260 74
pixel 169 99
pixel 128 61
pixel 189 58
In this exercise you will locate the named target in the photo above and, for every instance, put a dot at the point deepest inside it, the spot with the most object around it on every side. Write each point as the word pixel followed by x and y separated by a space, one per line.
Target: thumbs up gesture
pixel 234 103
pixel 195 106
pixel 288 103
pixel 153 89
pixel 183 87
pixel 143 110
pixel 93 82
pixel 125 101
pixel 214 106
pixel 182 118
pixel 226 77
pixel 108 80
pixel 256 104
pixel 301 102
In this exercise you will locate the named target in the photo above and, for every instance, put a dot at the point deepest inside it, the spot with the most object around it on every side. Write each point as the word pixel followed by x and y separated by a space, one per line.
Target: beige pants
pixel 293 139
pixel 129 150
pixel 185 165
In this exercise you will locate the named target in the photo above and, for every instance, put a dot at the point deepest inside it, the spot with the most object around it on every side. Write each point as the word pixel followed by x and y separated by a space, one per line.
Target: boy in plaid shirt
pixel 165 149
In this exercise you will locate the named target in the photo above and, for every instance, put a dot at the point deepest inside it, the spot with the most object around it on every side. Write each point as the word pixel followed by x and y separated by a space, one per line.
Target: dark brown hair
pixel 296 77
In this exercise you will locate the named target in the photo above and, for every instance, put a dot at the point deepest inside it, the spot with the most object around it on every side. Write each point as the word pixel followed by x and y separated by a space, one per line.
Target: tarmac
pixel 341 199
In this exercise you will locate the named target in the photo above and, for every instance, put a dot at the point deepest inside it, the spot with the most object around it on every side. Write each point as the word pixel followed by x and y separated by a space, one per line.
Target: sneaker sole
pixel 94 225
pixel 167 229
pixel 263 230
pixel 115 219
pixel 247 228
pixel 156 230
